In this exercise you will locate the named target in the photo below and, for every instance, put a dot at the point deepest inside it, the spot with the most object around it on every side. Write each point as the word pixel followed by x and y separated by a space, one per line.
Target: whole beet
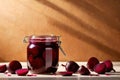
pixel 71 66
pixel 109 65
pixel 92 62
pixel 100 68
pixel 13 66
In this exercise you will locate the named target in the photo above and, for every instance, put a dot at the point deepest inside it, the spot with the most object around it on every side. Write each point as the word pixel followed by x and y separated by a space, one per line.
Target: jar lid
pixel 44 38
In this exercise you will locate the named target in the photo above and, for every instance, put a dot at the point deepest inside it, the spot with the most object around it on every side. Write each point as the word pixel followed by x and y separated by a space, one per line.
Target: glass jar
pixel 43 54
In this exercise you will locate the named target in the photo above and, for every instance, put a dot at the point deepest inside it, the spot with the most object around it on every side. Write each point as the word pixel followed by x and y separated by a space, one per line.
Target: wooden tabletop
pixel 76 76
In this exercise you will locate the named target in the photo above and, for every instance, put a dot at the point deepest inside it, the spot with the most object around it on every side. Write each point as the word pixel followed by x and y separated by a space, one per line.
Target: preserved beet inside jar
pixel 43 54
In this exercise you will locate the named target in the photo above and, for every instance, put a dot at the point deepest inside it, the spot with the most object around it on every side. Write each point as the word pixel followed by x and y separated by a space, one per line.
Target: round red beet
pixel 71 66
pixel 83 70
pixel 13 66
pixel 3 68
pixel 109 65
pixel 21 72
pixel 92 62
pixel 100 68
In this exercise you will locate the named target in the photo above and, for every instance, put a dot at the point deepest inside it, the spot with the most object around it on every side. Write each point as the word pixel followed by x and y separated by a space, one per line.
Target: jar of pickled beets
pixel 43 54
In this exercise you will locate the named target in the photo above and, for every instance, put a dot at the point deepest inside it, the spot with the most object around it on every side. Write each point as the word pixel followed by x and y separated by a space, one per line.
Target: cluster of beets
pixel 93 64
pixel 14 67
pixel 71 67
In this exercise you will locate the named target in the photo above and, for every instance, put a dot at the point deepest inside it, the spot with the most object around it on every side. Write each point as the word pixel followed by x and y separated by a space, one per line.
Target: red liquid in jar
pixel 43 54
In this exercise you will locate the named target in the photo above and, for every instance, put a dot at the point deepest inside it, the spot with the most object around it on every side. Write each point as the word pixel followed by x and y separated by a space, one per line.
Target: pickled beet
pixel 64 73
pixel 36 63
pixel 83 70
pixel 34 50
pixel 92 62
pixel 13 66
pixel 21 72
pixel 100 68
pixel 109 65
pixel 3 68
pixel 71 66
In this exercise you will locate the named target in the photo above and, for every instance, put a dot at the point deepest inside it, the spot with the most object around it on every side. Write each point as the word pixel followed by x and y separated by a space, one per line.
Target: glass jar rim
pixel 44 36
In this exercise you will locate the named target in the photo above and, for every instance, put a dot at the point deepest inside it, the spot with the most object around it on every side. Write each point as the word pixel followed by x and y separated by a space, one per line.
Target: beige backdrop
pixel 88 28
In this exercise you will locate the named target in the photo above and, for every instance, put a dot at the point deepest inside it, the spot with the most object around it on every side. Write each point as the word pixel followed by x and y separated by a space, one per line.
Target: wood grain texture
pixel 88 28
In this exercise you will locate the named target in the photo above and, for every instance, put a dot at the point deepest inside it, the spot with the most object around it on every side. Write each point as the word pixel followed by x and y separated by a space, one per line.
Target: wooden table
pixel 59 77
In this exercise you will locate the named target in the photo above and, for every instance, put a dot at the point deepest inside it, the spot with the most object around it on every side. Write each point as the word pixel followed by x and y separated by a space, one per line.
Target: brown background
pixel 88 28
